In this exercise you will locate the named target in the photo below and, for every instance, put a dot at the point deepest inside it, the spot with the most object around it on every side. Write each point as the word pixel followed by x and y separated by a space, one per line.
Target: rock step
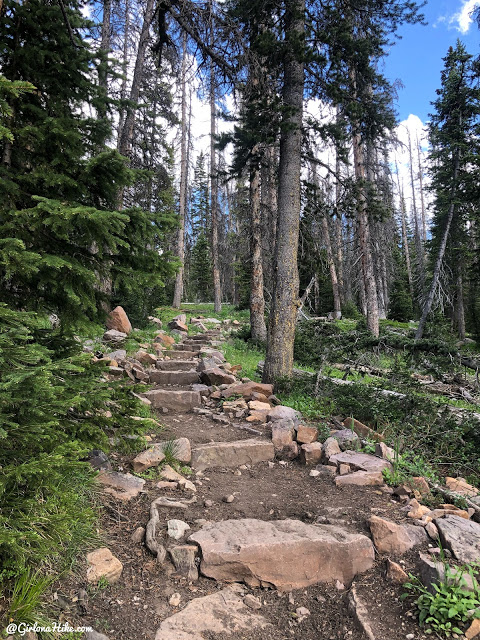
pixel 232 454
pixel 178 378
pixel 183 355
pixel 177 365
pixel 175 401
pixel 187 347
pixel 286 554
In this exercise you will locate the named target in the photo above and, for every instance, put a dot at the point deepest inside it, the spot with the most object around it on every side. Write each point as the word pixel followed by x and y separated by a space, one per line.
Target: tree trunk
pixel 279 356
pixel 460 307
pixel 441 252
pixel 368 273
pixel 123 87
pixel 257 301
pixel 337 305
pixel 178 293
pixel 418 239
pixel 126 134
pixel 406 248
pixel 217 292
pixel 422 198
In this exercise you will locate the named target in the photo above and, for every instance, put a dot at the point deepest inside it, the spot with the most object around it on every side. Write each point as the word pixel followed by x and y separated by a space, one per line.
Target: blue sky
pixel 416 59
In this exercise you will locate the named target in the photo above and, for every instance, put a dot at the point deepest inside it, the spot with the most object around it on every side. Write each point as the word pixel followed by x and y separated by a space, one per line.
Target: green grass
pixel 237 351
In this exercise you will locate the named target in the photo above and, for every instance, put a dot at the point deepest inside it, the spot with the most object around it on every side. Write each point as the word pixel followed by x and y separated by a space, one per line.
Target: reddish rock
pixel 216 376
pixel 306 435
pixel 103 564
pixel 123 486
pixel 146 358
pixel 154 455
pixel 246 389
pixel 232 454
pixel 177 325
pixel 287 554
pixel 390 537
pixel 473 630
pixel 461 486
pixel 395 573
pixel 330 448
pixel 311 454
pixel 360 479
pixel 166 341
pixel 259 417
pixel 256 405
pixel 382 451
pixel 118 320
pixel 420 485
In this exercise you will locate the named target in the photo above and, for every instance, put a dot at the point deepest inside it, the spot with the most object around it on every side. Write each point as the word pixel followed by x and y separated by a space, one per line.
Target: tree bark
pixel 460 307
pixel 126 134
pixel 279 356
pixel 441 252
pixel 418 239
pixel 182 205
pixel 364 239
pixel 422 198
pixel 257 301
pixel 217 293
pixel 406 248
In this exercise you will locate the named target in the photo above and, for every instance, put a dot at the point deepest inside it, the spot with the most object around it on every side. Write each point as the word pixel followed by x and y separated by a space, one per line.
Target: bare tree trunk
pixel 279 357
pixel 126 134
pixel 337 305
pixel 370 285
pixel 418 240
pixel 123 88
pixel 441 252
pixel 178 293
pixel 406 248
pixel 257 301
pixel 460 307
pixel 217 292
pixel 105 46
pixel 422 198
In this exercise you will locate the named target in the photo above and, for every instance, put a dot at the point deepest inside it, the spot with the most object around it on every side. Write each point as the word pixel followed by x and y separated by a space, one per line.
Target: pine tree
pixel 454 137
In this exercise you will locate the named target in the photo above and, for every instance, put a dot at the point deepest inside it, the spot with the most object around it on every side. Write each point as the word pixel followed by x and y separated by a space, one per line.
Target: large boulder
pixel 287 554
pixel 232 454
pixel 393 538
pixel 461 536
pixel 118 320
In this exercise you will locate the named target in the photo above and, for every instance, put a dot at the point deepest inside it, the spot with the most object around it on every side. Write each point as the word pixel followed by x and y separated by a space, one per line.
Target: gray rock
pixel 123 486
pixel 95 635
pixel 330 448
pixel 176 529
pixel 434 571
pixel 183 558
pixel 99 460
pixel 360 461
pixel 346 438
pixel 461 536
pixel 114 336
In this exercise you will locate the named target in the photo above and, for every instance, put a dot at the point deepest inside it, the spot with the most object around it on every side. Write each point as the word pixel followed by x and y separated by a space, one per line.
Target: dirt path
pixel 135 607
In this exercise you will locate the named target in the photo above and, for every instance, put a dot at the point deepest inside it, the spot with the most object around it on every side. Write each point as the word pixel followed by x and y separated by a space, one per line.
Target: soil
pixel 133 608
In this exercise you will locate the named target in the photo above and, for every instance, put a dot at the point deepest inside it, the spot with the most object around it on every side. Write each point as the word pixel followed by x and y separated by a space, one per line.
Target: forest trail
pixel 287 543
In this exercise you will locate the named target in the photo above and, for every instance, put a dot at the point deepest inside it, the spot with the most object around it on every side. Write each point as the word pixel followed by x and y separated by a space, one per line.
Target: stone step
pixel 232 454
pixel 183 355
pixel 178 378
pixel 177 365
pixel 187 347
pixel 174 400
pixel 286 554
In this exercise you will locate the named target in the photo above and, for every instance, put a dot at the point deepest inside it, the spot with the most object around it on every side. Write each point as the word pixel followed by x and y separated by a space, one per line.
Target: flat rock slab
pixel 246 389
pixel 222 613
pixel 176 365
pixel 461 536
pixel 184 355
pixel 180 401
pixel 287 554
pixel 123 486
pixel 360 479
pixel 180 378
pixel 360 461
pixel 232 454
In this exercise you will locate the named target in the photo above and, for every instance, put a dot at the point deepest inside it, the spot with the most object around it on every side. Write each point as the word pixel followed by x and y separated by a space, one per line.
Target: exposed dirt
pixel 133 608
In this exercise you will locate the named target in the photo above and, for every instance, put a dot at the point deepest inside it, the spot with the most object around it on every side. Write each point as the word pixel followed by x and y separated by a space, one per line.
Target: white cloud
pixel 463 19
